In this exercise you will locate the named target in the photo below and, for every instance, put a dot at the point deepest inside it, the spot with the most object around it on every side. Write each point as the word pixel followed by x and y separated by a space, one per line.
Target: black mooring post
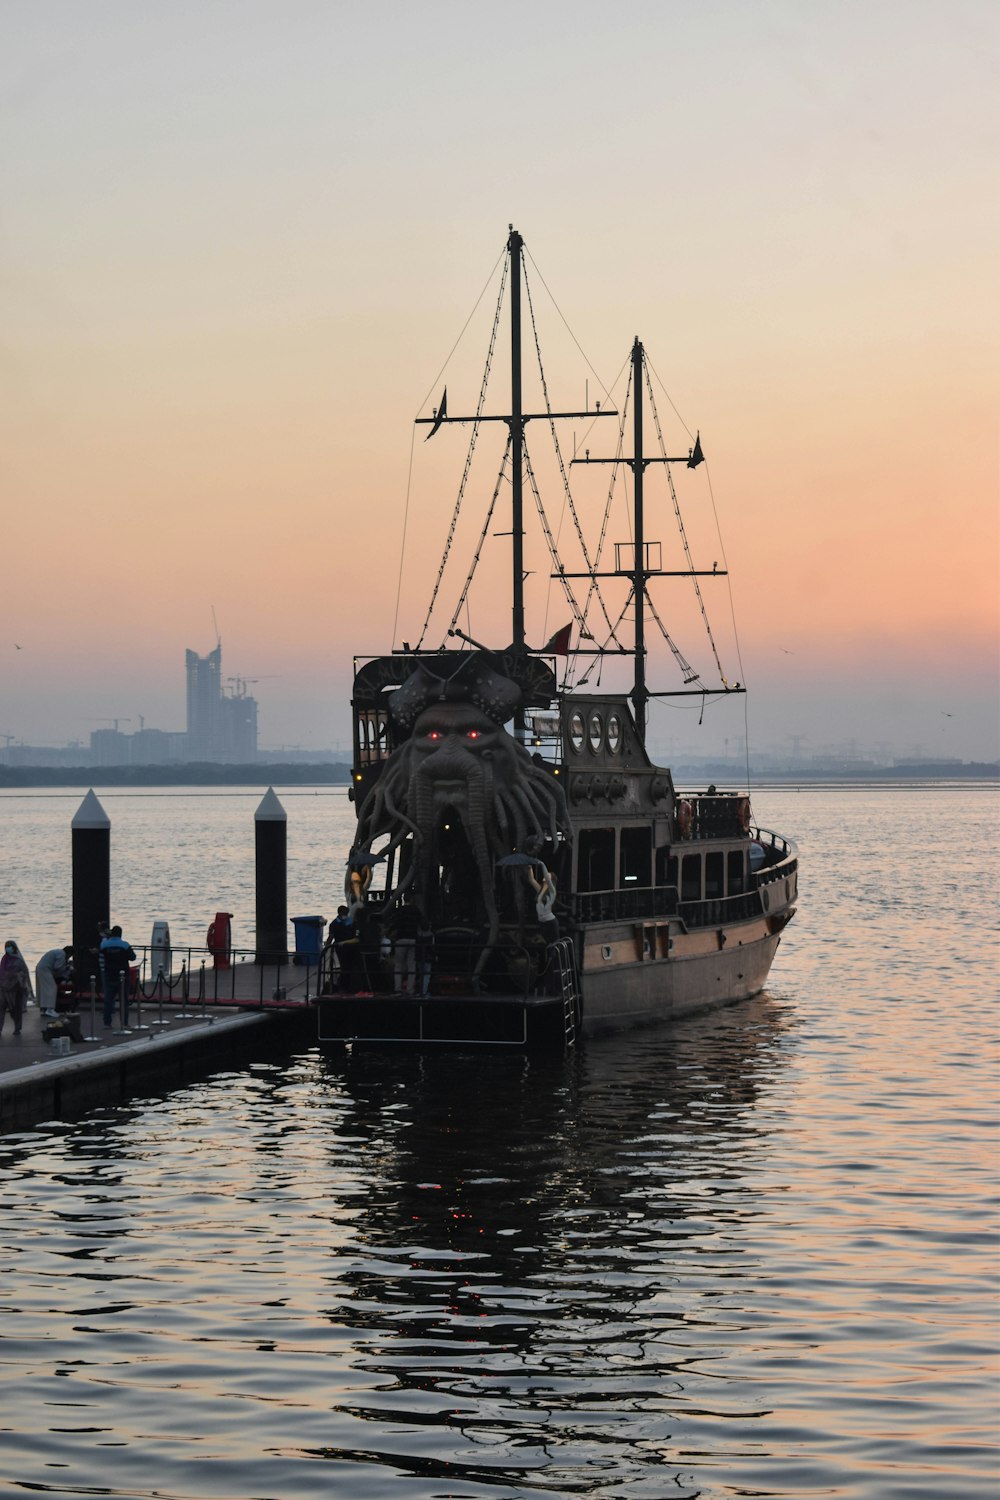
pixel 91 834
pixel 271 838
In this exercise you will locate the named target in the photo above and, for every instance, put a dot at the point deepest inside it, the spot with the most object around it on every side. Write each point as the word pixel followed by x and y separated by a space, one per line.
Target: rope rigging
pixel 683 535
pixel 551 541
pixel 482 539
pixel 468 457
pixel 582 612
pixel 567 492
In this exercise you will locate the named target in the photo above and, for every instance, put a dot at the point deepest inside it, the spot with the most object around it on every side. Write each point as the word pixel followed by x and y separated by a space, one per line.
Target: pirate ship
pixel 523 873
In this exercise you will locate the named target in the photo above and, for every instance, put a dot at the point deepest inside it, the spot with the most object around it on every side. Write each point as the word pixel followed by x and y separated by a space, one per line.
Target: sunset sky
pixel 238 240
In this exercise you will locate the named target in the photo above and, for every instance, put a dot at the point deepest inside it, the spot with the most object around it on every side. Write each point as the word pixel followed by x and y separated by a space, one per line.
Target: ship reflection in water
pixel 552 1262
pixel 748 1253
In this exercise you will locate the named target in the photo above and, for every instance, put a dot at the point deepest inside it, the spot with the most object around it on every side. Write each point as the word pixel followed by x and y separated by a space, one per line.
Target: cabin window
pixel 737 882
pixel 714 870
pixel 595 733
pixel 614 733
pixel 635 862
pixel 595 860
pixel 666 868
pixel 691 877
pixel 576 732
pixel 373 734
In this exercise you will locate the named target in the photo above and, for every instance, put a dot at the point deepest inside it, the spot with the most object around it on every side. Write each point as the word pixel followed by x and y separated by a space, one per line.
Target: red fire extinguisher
pixel 220 939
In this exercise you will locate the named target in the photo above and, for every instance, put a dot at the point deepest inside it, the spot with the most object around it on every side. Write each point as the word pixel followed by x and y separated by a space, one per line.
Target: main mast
pixel 514 247
pixel 517 420
pixel 639 693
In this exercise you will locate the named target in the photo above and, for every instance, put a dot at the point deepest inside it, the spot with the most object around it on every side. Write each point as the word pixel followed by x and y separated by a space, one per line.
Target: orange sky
pixel 238 243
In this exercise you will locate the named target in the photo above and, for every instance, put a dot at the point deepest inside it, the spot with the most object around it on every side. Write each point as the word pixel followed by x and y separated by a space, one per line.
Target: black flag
pixel 696 457
pixel 439 415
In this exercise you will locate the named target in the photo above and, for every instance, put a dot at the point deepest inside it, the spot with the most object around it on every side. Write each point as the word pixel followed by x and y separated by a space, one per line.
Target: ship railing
pixel 781 857
pixel 649 903
pixel 518 969
pixel 196 979
pixel 774 843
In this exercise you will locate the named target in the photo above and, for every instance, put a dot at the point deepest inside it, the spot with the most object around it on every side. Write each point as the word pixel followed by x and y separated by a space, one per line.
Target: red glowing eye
pixel 473 734
pixel 434 734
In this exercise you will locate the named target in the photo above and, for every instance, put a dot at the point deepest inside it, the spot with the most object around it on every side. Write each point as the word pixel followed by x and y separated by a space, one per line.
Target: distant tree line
pixel 196 774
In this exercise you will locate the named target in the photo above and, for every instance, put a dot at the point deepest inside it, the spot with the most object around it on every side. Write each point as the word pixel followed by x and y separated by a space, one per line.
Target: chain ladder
pixel 689 673
pixel 482 537
pixel 581 623
pixel 468 460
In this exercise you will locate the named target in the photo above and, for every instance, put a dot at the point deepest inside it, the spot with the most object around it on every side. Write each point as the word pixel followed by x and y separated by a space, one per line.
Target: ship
pixel 523 874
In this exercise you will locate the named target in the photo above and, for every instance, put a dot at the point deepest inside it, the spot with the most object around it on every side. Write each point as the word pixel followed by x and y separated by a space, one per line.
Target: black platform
pixel 470 1020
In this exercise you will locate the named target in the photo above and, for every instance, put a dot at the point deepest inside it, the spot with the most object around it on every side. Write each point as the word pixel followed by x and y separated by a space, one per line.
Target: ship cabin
pixel 640 849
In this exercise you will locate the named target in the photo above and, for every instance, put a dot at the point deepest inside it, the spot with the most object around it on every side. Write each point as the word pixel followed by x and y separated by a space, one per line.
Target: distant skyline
pixel 240 241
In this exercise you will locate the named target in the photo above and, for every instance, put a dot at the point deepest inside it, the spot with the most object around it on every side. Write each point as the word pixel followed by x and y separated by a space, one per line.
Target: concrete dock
pixel 177 1043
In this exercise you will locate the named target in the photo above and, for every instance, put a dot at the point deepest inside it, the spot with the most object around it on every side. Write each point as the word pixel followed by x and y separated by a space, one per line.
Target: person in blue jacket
pixel 116 955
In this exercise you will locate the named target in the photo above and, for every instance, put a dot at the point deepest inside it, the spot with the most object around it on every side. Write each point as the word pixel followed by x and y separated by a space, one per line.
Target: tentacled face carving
pixel 461 789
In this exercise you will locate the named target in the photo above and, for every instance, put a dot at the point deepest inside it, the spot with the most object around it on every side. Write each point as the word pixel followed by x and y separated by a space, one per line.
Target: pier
pixel 179 1029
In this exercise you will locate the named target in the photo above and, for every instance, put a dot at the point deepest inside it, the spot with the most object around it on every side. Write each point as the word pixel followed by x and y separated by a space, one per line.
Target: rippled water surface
pixel 749 1255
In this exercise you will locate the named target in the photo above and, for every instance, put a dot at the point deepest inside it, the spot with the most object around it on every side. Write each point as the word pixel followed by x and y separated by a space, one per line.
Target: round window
pixel 595 732
pixel 614 733
pixel 576 732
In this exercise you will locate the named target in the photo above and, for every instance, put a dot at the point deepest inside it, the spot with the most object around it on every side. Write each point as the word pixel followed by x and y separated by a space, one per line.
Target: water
pixel 754 1254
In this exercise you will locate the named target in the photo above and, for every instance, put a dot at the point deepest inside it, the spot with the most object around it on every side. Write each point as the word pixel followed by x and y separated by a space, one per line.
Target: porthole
pixel 595 732
pixel 576 732
pixel 605 952
pixel 614 733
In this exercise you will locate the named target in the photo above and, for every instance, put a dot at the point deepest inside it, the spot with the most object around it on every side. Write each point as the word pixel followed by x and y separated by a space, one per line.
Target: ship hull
pixel 678 973
pixel 717 967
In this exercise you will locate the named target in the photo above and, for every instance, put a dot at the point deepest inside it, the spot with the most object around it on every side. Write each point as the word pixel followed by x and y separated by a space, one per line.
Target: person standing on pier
pixel 347 946
pixel 15 985
pixel 116 955
pixel 50 971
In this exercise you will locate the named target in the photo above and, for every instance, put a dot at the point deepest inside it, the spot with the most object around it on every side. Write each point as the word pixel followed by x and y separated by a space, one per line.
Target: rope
pixel 732 614
pixel 482 537
pixel 567 492
pixel 725 564
pixel 550 540
pixel 402 547
pixel 468 458
pixel 689 673
pixel 598 660
pixel 568 329
pixel 683 533
pixel 482 294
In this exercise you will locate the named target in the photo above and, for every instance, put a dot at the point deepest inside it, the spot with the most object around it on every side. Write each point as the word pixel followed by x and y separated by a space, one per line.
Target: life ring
pixel 743 813
pixel 685 813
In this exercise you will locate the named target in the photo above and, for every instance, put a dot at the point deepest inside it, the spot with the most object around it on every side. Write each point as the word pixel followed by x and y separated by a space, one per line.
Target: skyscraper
pixel 220 726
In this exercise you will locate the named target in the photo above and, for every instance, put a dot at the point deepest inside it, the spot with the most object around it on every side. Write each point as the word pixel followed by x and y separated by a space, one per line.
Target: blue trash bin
pixel 308 939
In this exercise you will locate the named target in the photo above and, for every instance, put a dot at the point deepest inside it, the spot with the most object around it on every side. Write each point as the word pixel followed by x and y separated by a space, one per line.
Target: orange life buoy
pixel 685 813
pixel 743 813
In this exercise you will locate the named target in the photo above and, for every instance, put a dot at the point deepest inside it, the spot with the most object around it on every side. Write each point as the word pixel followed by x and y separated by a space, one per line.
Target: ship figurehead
pixel 459 793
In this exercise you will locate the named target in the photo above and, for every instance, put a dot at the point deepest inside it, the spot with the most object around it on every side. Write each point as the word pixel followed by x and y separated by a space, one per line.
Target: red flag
pixel 559 643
